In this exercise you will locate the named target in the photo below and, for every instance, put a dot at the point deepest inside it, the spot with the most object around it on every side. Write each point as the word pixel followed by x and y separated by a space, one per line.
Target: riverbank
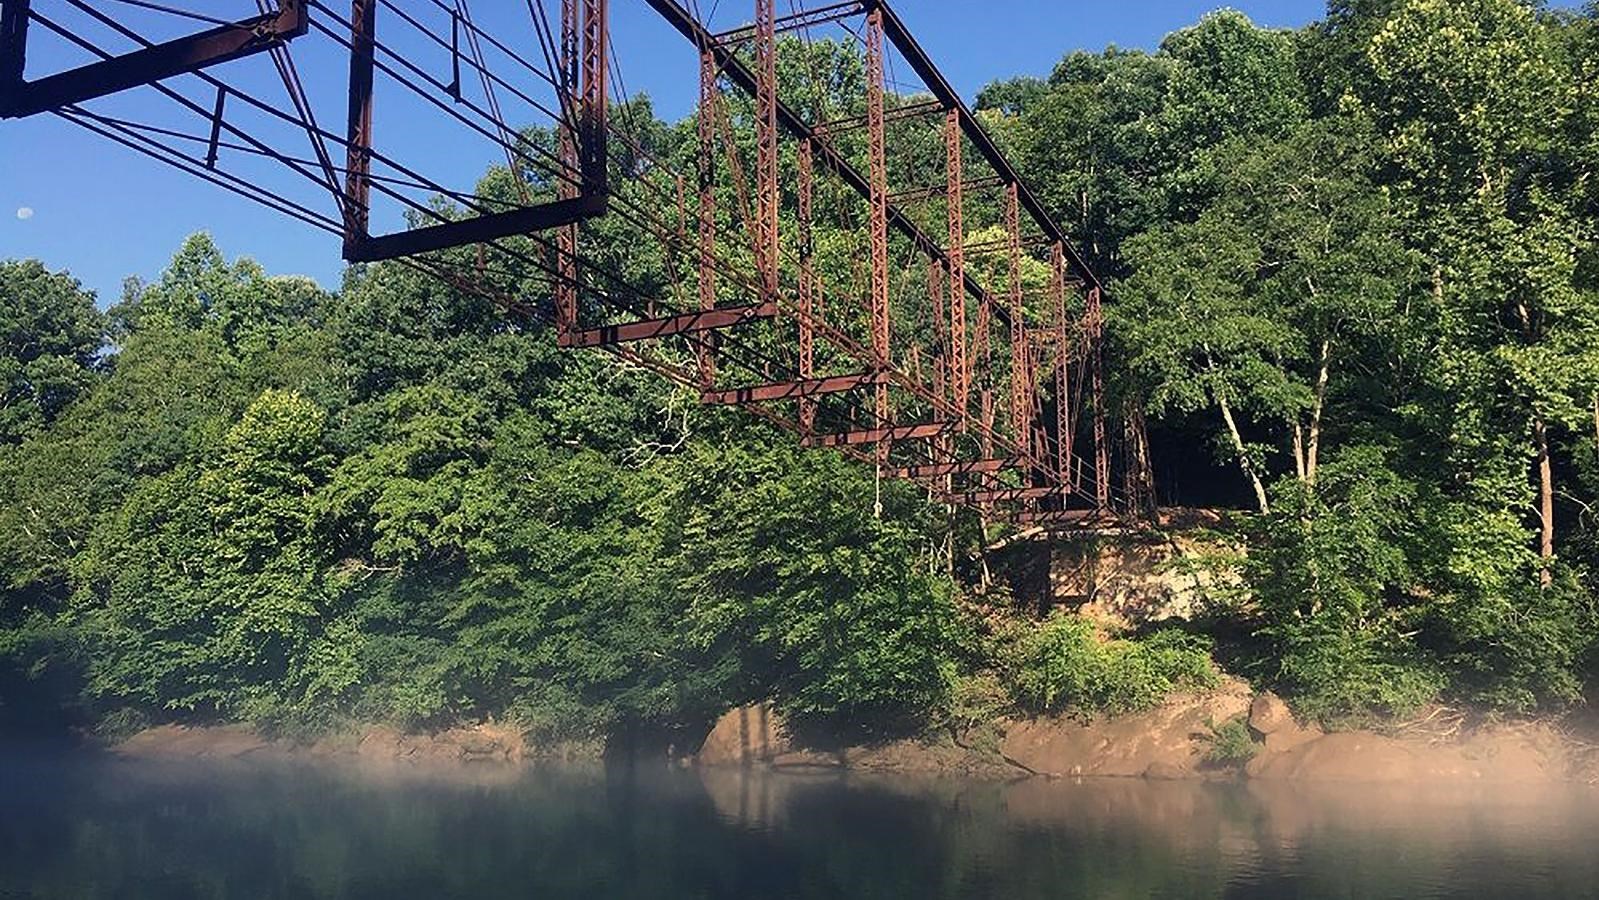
pixel 483 743
pixel 1228 733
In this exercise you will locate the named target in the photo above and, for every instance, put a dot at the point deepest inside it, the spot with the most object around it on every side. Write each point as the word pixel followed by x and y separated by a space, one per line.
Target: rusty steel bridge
pixel 868 271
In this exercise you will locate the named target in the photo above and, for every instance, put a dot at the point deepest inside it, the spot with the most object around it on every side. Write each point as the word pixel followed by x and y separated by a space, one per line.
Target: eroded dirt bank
pixel 482 743
pixel 1177 740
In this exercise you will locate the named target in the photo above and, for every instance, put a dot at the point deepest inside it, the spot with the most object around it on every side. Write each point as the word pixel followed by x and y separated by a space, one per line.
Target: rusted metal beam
pixel 666 326
pixel 915 195
pixel 955 178
pixel 836 161
pixel 790 390
pixel 880 435
pixel 477 229
pixel 941 89
pixel 595 78
pixel 890 114
pixel 1096 363
pixel 705 352
pixel 807 283
pixel 13 49
pixel 805 18
pixel 1075 517
pixel 969 467
pixel 1064 421
pixel 570 62
pixel 144 66
pixel 591 201
pixel 877 155
pixel 358 135
pixel 1011 495
pixel 1020 378
pixel 766 186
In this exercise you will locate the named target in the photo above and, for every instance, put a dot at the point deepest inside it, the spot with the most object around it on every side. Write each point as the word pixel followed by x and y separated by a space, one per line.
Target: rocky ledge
pixel 1175 741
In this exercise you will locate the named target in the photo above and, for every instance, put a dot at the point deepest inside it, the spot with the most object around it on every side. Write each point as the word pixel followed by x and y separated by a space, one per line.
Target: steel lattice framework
pixel 809 271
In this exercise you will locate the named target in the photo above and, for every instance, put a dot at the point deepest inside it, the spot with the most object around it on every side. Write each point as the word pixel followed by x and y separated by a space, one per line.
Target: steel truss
pixel 906 367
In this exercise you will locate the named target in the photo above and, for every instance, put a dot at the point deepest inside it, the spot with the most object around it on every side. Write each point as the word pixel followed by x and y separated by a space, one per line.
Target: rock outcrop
pixel 746 736
pixel 1503 754
pixel 1169 741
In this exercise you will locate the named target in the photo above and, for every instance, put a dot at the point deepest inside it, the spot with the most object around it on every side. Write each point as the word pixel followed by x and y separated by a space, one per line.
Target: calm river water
pixel 88 828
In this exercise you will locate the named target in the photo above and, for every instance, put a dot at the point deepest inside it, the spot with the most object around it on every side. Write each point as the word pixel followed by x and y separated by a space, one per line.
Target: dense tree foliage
pixel 1361 264
pixel 1358 261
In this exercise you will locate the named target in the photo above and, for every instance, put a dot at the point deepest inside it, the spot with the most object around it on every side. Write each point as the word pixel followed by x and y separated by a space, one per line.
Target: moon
pixel 25 213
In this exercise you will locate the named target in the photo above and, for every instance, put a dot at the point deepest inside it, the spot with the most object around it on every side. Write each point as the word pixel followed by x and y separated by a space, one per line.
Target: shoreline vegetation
pixel 1354 296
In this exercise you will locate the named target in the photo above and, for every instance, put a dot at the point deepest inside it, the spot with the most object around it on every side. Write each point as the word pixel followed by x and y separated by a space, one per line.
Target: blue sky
pixel 81 203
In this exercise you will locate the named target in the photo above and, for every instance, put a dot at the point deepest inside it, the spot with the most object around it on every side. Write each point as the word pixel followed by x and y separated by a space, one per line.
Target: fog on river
pixel 85 828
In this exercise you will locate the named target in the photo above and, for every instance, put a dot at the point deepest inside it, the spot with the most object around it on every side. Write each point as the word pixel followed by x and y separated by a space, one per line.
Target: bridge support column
pixel 567 188
pixel 1063 358
pixel 1096 362
pixel 959 371
pixel 879 212
pixel 705 344
pixel 807 285
pixel 1020 380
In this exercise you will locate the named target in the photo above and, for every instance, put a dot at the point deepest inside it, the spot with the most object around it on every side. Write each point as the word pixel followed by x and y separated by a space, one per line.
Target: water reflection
pixel 113 829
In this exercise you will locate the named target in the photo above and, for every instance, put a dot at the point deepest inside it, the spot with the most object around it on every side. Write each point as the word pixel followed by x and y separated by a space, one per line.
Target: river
pixel 87 827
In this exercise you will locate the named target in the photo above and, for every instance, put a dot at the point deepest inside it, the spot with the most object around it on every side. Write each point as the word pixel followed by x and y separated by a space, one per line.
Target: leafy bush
pixel 826 607
pixel 1321 569
pixel 976 700
pixel 1231 744
pixel 1064 664
pixel 1374 595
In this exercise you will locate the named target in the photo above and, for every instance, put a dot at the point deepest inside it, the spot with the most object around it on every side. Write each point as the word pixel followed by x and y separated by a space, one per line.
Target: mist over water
pixel 88 828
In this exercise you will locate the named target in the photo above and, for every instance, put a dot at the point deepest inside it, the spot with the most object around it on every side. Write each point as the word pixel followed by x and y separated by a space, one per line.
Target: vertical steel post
pixel 1096 357
pixel 876 140
pixel 454 87
pixel 13 48
pixel 1020 404
pixel 568 186
pixel 960 379
pixel 1063 358
pixel 935 303
pixel 944 371
pixel 986 402
pixel 983 355
pixel 596 40
pixel 766 187
pixel 807 284
pixel 358 181
pixel 707 172
pixel 213 143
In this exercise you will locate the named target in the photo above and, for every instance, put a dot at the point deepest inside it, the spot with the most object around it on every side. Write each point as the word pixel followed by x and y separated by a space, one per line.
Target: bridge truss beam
pixel 742 312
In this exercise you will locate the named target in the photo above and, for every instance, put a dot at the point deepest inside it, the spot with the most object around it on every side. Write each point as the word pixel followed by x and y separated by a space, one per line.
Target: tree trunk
pixel 1546 499
pixel 1299 448
pixel 1243 454
pixel 1313 451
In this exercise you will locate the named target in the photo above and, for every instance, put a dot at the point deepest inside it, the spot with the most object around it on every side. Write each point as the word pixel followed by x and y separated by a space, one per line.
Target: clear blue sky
pixel 105 213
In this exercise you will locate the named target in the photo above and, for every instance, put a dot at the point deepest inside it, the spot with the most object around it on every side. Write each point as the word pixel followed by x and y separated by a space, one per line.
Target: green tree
pixel 1255 307
pixel 51 337
pixel 1470 99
